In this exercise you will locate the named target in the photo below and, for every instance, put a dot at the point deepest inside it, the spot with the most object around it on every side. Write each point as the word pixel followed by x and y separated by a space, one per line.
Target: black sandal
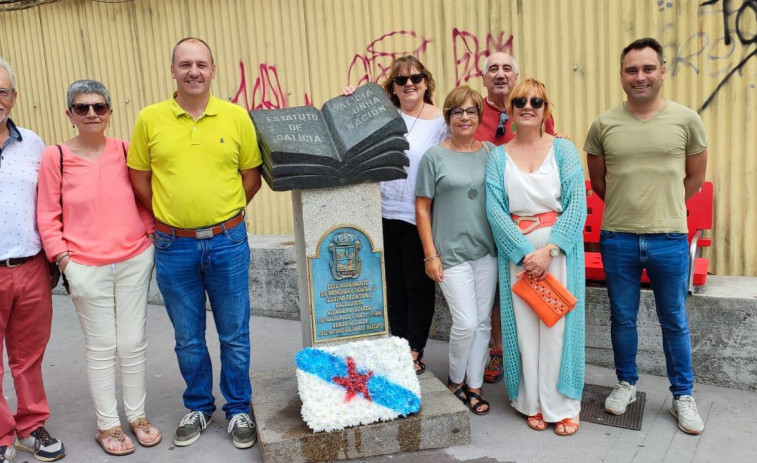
pixel 418 364
pixel 476 408
pixel 459 390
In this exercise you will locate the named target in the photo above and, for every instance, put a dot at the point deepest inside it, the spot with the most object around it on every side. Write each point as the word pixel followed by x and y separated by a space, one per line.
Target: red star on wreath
pixel 354 382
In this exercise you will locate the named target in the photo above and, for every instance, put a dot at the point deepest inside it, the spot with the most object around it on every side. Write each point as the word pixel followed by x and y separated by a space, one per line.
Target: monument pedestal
pixel 316 213
pixel 285 438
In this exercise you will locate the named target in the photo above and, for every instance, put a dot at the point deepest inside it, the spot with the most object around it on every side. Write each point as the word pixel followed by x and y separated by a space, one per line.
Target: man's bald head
pixel 191 39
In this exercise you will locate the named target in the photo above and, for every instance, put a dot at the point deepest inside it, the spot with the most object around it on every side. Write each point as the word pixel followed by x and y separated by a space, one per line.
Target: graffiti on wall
pixel 266 93
pixel 470 52
pixel 721 55
pixel 373 64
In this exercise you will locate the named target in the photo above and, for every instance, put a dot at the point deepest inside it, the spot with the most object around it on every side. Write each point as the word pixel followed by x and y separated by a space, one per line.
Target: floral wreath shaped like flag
pixel 357 383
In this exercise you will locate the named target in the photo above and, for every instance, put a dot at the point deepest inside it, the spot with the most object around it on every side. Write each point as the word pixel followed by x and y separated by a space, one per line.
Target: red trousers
pixel 25 318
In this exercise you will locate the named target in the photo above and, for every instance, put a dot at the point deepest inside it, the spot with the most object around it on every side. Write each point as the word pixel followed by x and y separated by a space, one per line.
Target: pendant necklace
pixel 416 118
pixel 472 192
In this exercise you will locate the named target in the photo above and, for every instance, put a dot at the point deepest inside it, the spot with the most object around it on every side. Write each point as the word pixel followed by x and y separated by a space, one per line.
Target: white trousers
pixel 111 301
pixel 541 349
pixel 469 290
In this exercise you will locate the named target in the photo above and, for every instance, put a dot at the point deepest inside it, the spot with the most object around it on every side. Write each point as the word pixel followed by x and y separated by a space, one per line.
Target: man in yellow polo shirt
pixel 194 161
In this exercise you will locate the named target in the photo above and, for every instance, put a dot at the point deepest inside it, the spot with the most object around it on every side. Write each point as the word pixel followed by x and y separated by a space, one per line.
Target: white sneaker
pixel 620 398
pixel 685 409
pixel 7 453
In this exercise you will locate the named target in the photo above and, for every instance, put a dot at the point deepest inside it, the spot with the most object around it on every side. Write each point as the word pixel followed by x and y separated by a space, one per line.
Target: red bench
pixel 698 216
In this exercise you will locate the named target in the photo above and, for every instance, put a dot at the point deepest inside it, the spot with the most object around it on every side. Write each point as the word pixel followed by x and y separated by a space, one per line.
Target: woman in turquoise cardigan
pixel 537 174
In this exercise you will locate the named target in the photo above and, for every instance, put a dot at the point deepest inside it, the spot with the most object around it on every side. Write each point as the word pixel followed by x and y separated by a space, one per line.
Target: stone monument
pixel 332 160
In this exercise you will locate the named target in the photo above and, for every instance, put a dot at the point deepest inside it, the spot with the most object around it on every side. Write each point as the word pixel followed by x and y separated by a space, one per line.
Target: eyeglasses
pixel 6 93
pixel 82 109
pixel 414 78
pixel 457 113
pixel 520 103
pixel 503 118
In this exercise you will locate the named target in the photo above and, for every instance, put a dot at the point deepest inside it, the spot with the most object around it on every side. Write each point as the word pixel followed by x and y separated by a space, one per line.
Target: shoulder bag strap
pixel 486 147
pixel 60 150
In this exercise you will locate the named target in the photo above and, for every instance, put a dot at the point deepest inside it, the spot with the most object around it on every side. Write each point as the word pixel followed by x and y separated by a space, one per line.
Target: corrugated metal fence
pixel 279 53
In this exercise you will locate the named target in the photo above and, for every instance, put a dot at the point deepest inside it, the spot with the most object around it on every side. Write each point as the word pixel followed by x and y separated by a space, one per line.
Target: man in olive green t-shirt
pixel 646 157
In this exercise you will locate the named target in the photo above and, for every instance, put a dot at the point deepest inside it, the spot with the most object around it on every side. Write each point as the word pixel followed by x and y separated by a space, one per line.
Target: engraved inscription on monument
pixel 347 286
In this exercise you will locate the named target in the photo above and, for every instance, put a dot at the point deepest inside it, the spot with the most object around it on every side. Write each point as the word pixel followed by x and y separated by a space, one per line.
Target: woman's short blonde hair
pixel 458 97
pixel 526 88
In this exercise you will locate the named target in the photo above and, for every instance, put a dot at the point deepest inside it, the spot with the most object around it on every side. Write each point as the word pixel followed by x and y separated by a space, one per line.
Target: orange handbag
pixel 548 297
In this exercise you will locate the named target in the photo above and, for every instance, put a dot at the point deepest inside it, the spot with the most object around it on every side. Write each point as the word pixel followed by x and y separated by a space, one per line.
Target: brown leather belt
pixel 201 233
pixel 14 261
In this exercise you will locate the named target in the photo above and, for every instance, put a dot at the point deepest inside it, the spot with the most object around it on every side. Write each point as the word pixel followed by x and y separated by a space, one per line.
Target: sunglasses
pixel 503 118
pixel 520 103
pixel 82 109
pixel 414 78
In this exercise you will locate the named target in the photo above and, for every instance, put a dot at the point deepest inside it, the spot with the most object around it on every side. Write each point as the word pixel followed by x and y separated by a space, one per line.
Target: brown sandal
pixel 565 423
pixel 117 433
pixel 536 422
pixel 144 425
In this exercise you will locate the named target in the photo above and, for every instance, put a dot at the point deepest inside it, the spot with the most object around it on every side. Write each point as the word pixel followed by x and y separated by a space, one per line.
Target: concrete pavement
pixel 502 435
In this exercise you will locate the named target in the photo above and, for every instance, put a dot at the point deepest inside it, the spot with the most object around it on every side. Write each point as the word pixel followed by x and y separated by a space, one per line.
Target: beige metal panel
pixel 22 35
pixel 91 40
pixel 274 54
pixel 270 72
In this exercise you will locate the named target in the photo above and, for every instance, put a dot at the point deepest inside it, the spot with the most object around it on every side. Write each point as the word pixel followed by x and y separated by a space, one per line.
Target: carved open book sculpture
pixel 351 139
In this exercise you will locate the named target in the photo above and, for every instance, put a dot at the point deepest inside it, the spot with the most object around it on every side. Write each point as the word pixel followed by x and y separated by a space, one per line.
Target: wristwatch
pixel 554 250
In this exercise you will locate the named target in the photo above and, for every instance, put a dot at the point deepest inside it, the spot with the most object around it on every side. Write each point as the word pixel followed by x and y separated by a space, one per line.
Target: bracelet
pixel 426 259
pixel 61 258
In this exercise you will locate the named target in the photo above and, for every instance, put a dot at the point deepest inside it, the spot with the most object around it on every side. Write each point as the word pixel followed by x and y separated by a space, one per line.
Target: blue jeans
pixel 187 268
pixel 665 256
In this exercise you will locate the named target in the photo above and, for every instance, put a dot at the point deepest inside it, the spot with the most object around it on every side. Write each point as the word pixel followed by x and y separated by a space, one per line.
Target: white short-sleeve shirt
pixel 19 168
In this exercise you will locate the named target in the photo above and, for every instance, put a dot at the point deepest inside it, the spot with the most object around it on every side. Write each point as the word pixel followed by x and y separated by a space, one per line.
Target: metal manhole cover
pixel 593 408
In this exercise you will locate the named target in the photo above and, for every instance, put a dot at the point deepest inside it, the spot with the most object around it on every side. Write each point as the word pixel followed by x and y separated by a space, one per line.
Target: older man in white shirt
pixel 25 285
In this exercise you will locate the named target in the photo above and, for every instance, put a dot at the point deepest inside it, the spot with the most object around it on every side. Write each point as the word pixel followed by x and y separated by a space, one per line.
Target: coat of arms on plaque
pixel 345 256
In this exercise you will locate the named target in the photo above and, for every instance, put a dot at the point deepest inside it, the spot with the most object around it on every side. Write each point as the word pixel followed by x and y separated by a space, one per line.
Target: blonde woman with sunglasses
pixel 92 227
pixel 536 204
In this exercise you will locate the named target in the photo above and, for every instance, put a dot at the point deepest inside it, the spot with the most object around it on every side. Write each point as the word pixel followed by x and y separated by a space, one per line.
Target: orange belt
pixel 529 223
pixel 200 233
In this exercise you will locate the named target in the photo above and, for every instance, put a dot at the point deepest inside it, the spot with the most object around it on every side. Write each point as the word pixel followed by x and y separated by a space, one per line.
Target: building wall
pixel 281 53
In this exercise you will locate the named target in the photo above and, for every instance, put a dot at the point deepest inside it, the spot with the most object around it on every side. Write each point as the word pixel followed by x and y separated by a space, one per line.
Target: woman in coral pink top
pixel 92 228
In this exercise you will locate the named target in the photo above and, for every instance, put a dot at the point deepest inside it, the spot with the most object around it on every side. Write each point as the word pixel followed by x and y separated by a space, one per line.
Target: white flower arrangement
pixel 357 383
